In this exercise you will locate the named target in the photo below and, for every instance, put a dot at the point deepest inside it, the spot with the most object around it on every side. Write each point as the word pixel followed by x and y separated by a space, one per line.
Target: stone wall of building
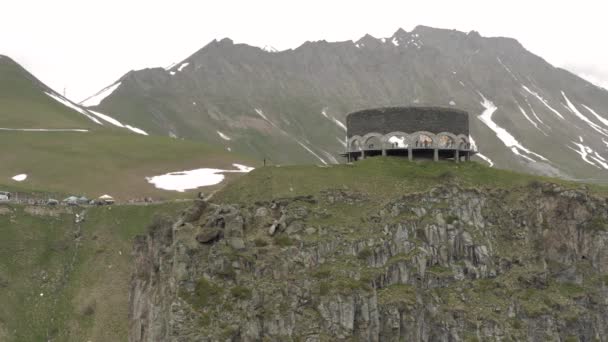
pixel 408 119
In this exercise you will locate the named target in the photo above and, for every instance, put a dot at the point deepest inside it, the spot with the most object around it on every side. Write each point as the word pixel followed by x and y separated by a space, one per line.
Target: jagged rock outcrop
pixel 450 264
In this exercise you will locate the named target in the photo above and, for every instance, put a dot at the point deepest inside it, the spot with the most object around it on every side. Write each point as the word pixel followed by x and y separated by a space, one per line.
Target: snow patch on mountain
pixel 20 178
pixel 170 66
pixel 270 49
pixel 395 41
pixel 542 100
pixel 71 105
pixel 223 136
pixel 530 120
pixel 185 180
pixel 506 68
pixel 330 157
pixel 181 67
pixel 117 123
pixel 588 155
pixel 342 141
pixel 507 138
pixel 483 157
pixel 136 130
pixel 96 99
pixel 107 118
pixel 536 116
pixel 339 123
pixel 260 113
pixel 597 116
pixel 311 152
pixel 578 114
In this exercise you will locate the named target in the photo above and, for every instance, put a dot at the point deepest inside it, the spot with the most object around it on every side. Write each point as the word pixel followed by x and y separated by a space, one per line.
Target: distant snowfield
pixel 20 178
pixel 186 180
pixel 96 99
pixel 44 129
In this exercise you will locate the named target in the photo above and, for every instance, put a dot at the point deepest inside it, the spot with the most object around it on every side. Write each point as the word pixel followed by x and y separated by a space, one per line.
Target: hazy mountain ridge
pixel 289 105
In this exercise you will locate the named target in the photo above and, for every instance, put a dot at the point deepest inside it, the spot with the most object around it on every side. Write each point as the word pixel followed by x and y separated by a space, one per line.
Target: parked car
pixel 52 202
pixel 4 198
pixel 72 200
pixel 106 199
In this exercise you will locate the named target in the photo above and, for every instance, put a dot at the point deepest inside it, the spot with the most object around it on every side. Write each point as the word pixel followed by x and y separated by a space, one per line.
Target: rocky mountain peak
pixel 400 33
pixel 368 41
pixel 292 105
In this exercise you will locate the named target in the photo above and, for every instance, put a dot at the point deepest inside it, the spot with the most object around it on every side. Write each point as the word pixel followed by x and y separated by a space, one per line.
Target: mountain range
pixel 290 106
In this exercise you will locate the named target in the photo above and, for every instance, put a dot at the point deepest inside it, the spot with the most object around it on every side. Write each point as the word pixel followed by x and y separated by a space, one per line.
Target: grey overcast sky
pixel 85 45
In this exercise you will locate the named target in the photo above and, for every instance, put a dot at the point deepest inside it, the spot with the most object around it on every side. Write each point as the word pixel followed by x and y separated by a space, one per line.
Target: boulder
pixel 209 235
pixel 194 212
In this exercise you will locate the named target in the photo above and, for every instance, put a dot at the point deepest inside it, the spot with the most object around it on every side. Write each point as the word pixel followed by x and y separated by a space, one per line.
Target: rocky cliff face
pixel 449 264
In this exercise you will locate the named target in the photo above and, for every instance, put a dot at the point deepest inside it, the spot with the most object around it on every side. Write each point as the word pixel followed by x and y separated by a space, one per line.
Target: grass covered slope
pixel 62 281
pixel 103 159
pixel 24 104
pixel 100 162
pixel 379 177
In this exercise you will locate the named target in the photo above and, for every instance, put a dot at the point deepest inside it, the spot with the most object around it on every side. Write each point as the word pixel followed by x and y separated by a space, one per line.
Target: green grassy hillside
pixel 102 162
pixel 105 159
pixel 24 104
pixel 379 177
pixel 62 282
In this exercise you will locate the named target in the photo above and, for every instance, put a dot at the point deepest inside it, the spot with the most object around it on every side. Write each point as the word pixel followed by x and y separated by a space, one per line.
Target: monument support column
pixel 435 154
pixel 383 152
pixel 410 156
pixel 468 156
pixel 362 154
pixel 457 155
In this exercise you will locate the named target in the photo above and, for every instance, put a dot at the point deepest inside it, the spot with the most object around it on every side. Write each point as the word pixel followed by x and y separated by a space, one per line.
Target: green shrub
pixel 364 253
pixel 323 272
pixel 259 242
pixel 227 272
pixel 324 288
pixel 282 241
pixel 451 219
pixel 240 292
pixel 597 224
pixel 205 292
